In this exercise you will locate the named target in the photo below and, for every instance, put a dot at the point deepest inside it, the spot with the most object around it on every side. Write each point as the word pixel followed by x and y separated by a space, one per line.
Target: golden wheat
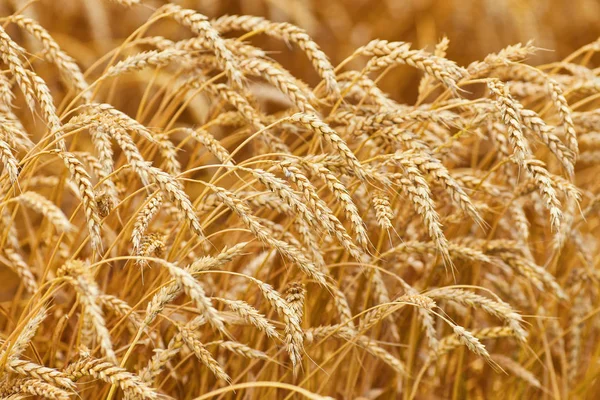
pixel 349 217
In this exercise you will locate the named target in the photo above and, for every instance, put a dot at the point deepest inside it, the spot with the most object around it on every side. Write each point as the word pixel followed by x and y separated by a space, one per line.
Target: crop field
pixel 286 199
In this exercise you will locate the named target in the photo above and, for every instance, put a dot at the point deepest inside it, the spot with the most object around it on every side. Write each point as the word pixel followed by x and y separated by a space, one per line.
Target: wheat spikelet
pixel 176 194
pixel 200 25
pixel 143 60
pixel 364 88
pixel 6 95
pixel 263 234
pixel 511 53
pixel 243 350
pixel 161 358
pixel 251 315
pixel 451 342
pixel 436 169
pixel 143 218
pixel 290 317
pixel 455 250
pixel 290 34
pixel 280 232
pixel 323 130
pixel 440 51
pixel 134 158
pixel 468 339
pixel 516 369
pixel 575 339
pixel 48 375
pixel 319 333
pixel 89 294
pixel 282 80
pixel 11 56
pixel 169 154
pixel 130 383
pixel 248 113
pixel 212 145
pixel 120 307
pixel 194 290
pixel 21 268
pixel 535 123
pixel 383 210
pixel 12 131
pixel 95 165
pixel 342 306
pixel 510 115
pixel 562 106
pixel 380 48
pixel 440 68
pixel 105 202
pixel 200 43
pixel 5 390
pixel 203 354
pixel 46 101
pixel 228 119
pixel 382 354
pixel 294 337
pixel 42 205
pixel 29 329
pixel 378 313
pixel 513 257
pixel 341 194
pixel 497 308
pixel 53 53
pixel 152 245
pixel 586 121
pixel 81 178
pixel 322 212
pixel 590 139
pixel 413 183
pixel 424 306
pixel 102 144
pixel 359 124
pixel 284 192
pixel 10 163
pixel 107 113
pixel 544 183
pixel 226 255
pixel 258 199
pixel 241 104
pixel 126 3
pixel 36 387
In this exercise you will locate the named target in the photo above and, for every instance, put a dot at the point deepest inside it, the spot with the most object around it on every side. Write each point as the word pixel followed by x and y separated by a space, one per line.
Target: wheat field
pixel 284 200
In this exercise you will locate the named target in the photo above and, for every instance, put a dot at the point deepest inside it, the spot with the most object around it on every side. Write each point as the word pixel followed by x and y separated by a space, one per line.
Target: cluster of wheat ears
pixel 232 232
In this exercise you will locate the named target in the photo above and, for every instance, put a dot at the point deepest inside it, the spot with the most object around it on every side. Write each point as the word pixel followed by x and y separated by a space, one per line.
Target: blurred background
pixel 474 27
